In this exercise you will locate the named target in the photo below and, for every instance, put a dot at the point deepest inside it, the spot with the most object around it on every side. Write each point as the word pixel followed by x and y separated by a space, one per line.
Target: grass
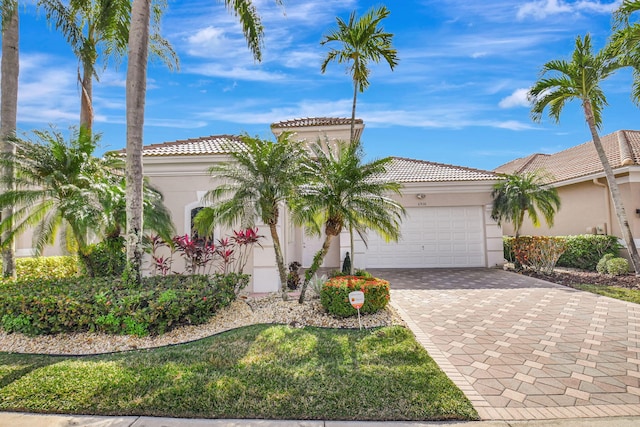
pixel 624 294
pixel 262 371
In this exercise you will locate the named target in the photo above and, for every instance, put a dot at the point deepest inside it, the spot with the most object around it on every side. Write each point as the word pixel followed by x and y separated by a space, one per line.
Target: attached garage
pixel 442 236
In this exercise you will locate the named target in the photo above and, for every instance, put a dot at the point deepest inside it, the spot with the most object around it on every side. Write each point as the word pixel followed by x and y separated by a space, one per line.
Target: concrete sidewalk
pixel 11 419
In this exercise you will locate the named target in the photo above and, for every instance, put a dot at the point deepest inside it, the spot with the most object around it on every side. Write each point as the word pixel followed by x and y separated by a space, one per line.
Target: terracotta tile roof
pixel 622 149
pixel 410 170
pixel 314 121
pixel 215 144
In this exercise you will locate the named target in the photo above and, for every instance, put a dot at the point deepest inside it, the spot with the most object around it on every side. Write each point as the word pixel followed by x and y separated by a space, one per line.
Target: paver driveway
pixel 523 348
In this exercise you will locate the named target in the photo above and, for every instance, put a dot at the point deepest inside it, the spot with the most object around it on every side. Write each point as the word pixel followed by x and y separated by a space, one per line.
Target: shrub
pixel 51 267
pixel 105 259
pixel 617 266
pixel 582 251
pixel 107 305
pixel 540 253
pixel 601 267
pixel 334 295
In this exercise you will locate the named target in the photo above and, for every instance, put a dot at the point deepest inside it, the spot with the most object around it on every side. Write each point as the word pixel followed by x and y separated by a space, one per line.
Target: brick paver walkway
pixel 522 348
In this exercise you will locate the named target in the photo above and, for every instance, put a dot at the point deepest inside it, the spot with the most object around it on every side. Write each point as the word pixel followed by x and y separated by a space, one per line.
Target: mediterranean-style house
pixel 578 175
pixel 448 221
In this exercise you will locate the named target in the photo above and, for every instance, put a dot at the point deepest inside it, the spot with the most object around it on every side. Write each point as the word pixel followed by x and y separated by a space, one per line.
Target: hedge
pixel 106 305
pixel 50 267
pixel 582 251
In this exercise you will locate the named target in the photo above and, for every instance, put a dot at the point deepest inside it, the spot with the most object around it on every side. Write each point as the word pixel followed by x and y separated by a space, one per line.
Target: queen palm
pixel 527 193
pixel 344 191
pixel 135 101
pixel 580 79
pixel 263 177
pixel 625 41
pixel 362 41
pixel 8 116
pixel 93 26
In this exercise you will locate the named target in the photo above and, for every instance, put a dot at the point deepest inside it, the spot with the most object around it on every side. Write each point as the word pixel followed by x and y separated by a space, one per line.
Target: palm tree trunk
pixel 8 116
pixel 315 265
pixel 613 189
pixel 279 258
pixel 353 113
pixel 86 98
pixel 353 251
pixel 135 101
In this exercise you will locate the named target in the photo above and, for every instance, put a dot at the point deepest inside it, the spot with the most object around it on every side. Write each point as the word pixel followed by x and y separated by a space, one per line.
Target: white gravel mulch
pixel 242 312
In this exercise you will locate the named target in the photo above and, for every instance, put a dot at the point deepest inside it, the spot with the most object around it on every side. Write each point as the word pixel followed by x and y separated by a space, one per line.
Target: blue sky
pixel 457 96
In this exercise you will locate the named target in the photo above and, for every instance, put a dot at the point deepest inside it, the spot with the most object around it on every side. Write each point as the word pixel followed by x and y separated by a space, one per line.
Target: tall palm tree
pixel 8 117
pixel 580 80
pixel 361 41
pixel 264 176
pixel 344 191
pixel 135 101
pixel 524 193
pixel 93 26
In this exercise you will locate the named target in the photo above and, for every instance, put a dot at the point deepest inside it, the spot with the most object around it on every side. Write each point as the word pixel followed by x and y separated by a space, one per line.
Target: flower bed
pixel 335 295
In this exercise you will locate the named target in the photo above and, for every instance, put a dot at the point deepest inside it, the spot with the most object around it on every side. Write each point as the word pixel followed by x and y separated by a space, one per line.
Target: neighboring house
pixel 448 222
pixel 578 175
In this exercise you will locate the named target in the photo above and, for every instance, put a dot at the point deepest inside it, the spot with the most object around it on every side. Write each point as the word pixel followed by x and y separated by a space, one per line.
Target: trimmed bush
pixel 602 264
pixel 334 295
pixel 51 267
pixel 582 251
pixel 617 266
pixel 107 305
pixel 105 259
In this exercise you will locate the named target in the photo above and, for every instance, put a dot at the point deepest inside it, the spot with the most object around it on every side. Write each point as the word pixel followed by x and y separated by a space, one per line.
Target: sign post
pixel 356 298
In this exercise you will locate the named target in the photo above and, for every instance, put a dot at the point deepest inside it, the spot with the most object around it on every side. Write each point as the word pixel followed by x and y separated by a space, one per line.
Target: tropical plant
pixel 263 177
pixel 362 41
pixel 580 79
pixel 94 26
pixel 344 191
pixel 61 186
pixel 8 118
pixel 527 193
pixel 625 41
pixel 135 100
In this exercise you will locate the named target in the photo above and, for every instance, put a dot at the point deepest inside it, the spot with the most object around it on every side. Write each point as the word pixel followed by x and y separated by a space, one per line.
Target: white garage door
pixel 433 237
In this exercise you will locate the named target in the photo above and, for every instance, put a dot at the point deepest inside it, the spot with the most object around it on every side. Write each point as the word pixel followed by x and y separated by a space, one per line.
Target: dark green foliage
pixel 108 305
pixel 104 259
pixel 335 295
pixel 582 251
pixel 293 278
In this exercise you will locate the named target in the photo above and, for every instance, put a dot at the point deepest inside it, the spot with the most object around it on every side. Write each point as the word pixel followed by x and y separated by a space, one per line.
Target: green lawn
pixel 625 294
pixel 262 371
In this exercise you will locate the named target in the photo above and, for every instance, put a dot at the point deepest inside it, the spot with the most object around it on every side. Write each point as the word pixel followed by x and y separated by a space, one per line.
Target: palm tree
pixel 625 41
pixel 580 80
pixel 91 26
pixel 8 117
pixel 264 176
pixel 61 186
pixel 58 186
pixel 527 193
pixel 345 192
pixel 362 41
pixel 135 100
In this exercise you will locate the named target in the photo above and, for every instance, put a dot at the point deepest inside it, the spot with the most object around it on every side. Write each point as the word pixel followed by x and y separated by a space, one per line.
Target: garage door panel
pixel 433 237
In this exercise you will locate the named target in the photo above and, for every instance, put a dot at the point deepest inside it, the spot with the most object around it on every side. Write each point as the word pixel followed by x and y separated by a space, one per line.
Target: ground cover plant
pixel 261 371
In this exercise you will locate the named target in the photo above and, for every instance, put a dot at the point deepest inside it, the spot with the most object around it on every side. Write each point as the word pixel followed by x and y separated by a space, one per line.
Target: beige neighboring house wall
pixel 586 206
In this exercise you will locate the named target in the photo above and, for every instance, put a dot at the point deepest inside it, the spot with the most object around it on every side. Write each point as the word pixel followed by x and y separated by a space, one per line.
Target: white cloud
pixel 235 72
pixel 542 8
pixel 519 98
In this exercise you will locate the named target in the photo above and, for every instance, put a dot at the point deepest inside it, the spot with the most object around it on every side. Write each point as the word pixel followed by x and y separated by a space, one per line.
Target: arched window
pixel 193 232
